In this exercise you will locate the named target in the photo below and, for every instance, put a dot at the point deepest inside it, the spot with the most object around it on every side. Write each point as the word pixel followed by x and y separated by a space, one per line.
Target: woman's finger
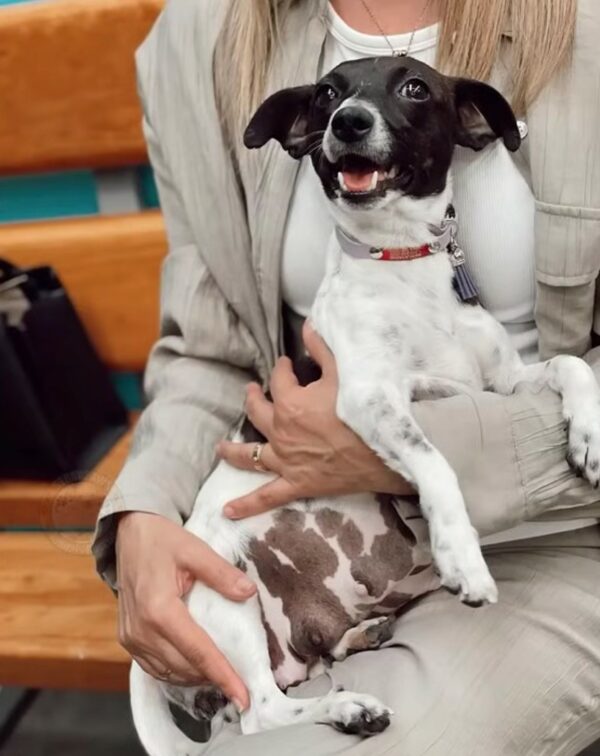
pixel 283 378
pixel 148 667
pixel 214 571
pixel 240 456
pixel 267 497
pixel 204 657
pixel 154 654
pixel 168 665
pixel 318 350
pixel 259 410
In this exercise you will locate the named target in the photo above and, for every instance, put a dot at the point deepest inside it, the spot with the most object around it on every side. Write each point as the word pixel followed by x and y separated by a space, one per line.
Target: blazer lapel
pixel 203 172
pixel 270 173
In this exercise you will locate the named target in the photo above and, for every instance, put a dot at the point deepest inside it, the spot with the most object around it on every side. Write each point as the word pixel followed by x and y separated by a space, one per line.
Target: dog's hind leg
pixel 238 631
pixel 153 719
pixel 368 634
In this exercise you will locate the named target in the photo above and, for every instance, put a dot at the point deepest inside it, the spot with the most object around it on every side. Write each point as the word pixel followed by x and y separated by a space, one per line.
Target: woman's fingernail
pixel 229 511
pixel 238 705
pixel 244 586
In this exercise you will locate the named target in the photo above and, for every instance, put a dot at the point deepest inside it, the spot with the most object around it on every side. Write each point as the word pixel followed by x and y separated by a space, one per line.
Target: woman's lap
pixel 521 677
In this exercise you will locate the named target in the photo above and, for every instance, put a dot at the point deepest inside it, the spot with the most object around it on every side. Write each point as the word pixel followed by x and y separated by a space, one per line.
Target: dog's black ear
pixel 284 117
pixel 483 116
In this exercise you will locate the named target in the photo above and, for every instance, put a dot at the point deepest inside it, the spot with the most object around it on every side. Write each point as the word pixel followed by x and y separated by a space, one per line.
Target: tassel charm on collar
pixel 463 283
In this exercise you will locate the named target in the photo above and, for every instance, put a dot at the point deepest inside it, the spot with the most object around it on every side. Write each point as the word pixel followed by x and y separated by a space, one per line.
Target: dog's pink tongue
pixel 358 182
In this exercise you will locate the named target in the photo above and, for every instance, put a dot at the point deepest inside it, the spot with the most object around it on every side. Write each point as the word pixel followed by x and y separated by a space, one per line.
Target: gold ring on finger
pixel 256 458
pixel 166 675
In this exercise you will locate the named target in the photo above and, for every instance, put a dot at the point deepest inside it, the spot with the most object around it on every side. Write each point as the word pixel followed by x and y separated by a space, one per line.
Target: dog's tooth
pixel 341 181
pixel 374 180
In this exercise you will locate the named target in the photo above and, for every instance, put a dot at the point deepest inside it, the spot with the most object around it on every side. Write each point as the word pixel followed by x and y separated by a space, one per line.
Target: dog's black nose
pixel 352 123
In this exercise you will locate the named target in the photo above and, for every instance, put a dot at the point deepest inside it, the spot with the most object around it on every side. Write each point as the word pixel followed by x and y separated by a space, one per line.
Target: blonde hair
pixel 471 33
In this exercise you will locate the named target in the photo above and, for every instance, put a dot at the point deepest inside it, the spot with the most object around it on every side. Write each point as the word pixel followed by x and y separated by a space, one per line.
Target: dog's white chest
pixel 400 316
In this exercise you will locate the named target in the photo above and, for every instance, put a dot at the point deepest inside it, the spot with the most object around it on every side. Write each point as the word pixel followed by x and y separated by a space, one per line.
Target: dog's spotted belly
pixel 323 567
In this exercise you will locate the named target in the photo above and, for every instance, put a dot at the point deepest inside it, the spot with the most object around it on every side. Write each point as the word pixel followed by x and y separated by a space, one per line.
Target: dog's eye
pixel 414 89
pixel 325 95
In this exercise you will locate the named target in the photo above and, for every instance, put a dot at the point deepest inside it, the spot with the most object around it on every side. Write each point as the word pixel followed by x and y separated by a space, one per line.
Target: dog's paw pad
pixel 474 604
pixel 363 723
pixel 361 715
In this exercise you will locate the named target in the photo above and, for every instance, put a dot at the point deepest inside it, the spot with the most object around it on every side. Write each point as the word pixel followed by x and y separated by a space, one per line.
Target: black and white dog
pixel 381 135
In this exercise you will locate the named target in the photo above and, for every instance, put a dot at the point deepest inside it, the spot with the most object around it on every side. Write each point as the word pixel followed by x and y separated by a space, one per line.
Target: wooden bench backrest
pixel 68 100
pixel 67 84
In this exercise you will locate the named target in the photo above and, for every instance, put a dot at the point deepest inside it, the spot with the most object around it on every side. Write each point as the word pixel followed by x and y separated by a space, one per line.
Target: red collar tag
pixel 401 253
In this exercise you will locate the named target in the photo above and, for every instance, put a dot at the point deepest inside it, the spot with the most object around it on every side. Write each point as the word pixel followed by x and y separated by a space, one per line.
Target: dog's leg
pixel 379 412
pixel 239 633
pixel 368 634
pixel 569 376
pixel 153 720
pixel 574 380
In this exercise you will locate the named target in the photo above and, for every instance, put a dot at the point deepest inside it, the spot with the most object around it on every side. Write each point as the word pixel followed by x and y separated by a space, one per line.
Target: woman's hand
pixel 157 564
pixel 310 449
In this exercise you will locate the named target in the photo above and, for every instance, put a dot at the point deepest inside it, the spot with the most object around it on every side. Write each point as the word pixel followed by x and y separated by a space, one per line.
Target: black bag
pixel 59 413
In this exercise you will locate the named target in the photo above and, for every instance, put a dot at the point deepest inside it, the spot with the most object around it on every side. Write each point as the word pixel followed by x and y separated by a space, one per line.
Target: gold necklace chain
pixel 395 52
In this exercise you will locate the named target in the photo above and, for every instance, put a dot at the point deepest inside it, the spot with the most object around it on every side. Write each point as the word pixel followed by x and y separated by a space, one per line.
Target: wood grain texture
pixel 58 506
pixel 58 622
pixel 67 84
pixel 110 265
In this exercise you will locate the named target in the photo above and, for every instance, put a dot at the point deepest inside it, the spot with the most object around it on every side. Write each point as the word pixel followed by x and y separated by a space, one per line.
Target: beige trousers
pixel 521 678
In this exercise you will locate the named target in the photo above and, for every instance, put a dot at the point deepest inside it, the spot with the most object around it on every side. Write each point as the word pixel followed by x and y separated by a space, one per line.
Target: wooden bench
pixel 73 104
pixel 57 621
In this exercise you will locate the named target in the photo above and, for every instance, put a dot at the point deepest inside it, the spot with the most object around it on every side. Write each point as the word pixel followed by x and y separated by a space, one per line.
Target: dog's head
pixel 383 126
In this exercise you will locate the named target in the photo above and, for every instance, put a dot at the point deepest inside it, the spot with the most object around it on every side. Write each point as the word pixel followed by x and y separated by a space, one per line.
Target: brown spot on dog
pixel 294 653
pixel 393 520
pixel 390 558
pixel 293 518
pixel 301 564
pixel 396 600
pixel 276 654
pixel 329 521
pixel 333 524
pixel 351 540
pixel 316 615
pixel 304 547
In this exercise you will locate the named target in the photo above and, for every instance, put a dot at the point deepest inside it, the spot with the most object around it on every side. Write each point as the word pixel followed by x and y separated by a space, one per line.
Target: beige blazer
pixel 220 301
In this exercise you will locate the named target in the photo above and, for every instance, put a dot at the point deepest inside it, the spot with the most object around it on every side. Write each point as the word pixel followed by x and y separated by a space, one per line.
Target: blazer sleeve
pixel 195 383
pixel 509 453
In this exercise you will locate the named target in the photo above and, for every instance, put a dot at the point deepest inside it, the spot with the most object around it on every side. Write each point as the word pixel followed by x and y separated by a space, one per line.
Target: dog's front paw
pixel 462 568
pixel 584 445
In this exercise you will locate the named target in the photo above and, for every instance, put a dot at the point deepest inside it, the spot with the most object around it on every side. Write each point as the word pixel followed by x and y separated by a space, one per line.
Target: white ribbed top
pixel 493 199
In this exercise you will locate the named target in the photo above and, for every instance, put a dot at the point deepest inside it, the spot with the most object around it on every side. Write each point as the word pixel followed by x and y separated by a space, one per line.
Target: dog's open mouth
pixel 361 178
